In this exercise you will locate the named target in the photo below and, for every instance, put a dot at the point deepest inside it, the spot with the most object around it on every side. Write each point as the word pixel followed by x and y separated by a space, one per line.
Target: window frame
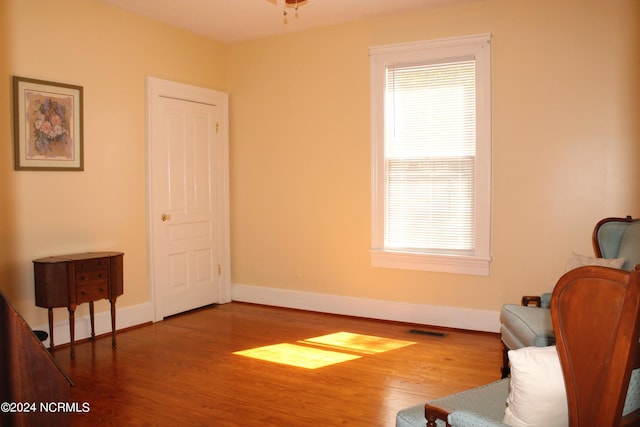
pixel 476 47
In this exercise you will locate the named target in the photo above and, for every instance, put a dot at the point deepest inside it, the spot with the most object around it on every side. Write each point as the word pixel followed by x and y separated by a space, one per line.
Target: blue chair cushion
pixel 609 238
pixel 632 402
pixel 630 246
pixel 526 326
pixel 479 407
pixel 620 239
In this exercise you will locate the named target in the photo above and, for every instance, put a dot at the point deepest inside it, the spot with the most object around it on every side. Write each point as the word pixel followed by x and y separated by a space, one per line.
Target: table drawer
pixel 91 277
pixel 94 264
pixel 92 291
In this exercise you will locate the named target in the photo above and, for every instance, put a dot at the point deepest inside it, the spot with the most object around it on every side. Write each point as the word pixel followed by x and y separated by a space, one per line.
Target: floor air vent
pixel 430 333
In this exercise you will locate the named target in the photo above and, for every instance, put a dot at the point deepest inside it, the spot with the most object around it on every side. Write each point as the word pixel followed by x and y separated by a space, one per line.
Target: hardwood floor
pixel 182 371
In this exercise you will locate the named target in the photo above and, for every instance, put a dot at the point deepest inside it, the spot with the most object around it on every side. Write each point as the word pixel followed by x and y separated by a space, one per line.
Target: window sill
pixel 429 262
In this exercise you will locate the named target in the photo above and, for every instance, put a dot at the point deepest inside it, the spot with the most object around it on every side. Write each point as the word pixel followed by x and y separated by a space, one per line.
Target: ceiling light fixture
pixel 295 4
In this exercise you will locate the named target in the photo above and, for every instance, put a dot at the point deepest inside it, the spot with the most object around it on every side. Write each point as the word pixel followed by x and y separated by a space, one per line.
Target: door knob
pixel 165 217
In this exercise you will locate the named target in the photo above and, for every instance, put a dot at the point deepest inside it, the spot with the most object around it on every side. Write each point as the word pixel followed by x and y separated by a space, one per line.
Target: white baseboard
pixel 450 317
pixel 126 317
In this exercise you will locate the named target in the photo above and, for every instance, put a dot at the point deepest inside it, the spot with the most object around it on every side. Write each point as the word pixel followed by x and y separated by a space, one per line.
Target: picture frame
pixel 48 125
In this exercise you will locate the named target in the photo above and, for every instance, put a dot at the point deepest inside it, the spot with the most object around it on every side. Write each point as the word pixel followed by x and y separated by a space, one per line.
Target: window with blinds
pixel 431 155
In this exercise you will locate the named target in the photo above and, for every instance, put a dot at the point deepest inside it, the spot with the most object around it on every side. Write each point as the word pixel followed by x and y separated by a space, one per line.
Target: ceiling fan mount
pixel 294 4
pixel 290 2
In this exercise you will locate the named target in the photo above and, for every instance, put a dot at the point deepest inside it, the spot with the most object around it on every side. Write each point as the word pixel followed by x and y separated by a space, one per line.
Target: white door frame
pixel 157 88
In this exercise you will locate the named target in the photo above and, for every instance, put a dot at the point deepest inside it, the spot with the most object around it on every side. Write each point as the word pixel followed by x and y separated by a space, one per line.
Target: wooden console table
pixel 70 280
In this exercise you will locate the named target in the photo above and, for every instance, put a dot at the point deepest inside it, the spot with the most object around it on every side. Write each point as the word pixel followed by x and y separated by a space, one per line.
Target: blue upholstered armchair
pixel 590 378
pixel 616 243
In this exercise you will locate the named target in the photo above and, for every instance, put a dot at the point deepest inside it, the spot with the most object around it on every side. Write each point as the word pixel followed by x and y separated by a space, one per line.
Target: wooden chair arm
pixel 433 413
pixel 528 300
pixel 631 419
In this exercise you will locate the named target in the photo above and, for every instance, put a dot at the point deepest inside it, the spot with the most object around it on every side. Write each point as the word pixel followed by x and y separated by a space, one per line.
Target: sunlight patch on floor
pixel 297 355
pixel 304 356
pixel 367 344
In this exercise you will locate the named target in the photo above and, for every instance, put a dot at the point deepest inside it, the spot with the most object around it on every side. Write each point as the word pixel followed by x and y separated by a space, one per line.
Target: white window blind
pixel 429 154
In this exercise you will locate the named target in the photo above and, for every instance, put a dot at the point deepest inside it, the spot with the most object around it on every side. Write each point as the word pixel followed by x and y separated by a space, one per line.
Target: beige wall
pixel 565 124
pixel 566 146
pixel 110 53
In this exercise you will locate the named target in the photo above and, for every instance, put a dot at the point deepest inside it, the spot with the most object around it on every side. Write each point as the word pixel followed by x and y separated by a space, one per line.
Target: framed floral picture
pixel 47 125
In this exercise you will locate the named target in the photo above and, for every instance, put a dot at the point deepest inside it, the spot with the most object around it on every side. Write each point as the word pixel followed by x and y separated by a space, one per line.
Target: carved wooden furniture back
pixel 595 313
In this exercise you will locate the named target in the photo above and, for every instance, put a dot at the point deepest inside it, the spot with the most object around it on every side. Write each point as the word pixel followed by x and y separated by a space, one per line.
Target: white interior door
pixel 188 197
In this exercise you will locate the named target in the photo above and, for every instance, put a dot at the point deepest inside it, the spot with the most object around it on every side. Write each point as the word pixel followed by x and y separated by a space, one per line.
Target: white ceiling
pixel 232 21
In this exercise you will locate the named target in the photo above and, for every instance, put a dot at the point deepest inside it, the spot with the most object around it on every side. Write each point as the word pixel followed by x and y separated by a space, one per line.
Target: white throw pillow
pixel 537 395
pixel 576 261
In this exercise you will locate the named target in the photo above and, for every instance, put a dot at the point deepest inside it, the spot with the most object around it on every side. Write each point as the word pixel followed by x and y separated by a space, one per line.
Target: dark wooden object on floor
pixel 29 375
pixel 70 280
